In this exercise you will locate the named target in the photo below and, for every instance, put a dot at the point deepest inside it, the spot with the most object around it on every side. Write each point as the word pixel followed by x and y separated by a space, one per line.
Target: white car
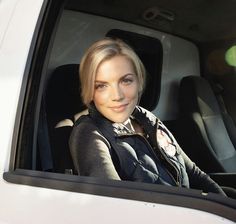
pixel 41 44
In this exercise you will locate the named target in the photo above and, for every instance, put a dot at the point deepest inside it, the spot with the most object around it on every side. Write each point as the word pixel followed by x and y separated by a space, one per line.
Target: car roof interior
pixel 198 21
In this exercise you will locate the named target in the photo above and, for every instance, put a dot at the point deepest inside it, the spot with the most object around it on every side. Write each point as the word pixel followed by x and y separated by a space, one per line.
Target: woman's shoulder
pixel 84 120
pixel 84 126
pixel 85 129
pixel 143 114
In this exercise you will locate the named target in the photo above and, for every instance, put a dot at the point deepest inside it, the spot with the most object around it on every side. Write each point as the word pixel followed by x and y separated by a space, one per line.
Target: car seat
pixel 208 136
pixel 62 103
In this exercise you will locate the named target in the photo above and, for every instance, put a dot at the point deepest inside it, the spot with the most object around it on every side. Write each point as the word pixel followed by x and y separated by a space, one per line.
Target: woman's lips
pixel 119 108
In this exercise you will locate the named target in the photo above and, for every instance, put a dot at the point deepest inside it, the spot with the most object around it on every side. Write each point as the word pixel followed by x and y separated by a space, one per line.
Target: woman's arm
pixel 90 152
pixel 198 179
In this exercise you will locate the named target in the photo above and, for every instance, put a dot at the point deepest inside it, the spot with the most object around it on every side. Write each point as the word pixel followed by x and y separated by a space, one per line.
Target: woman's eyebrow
pixel 124 76
pixel 99 81
pixel 128 74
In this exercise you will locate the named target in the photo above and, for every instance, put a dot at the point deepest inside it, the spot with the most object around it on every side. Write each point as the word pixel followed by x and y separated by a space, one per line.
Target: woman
pixel 118 139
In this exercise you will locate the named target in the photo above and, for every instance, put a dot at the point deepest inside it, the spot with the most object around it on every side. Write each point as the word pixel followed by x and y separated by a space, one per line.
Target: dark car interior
pixel 205 125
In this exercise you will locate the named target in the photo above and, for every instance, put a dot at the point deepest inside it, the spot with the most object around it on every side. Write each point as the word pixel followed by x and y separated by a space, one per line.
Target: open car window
pixel 50 101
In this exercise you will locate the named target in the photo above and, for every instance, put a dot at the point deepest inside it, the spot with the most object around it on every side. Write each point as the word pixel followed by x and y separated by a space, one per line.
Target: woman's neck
pixel 137 127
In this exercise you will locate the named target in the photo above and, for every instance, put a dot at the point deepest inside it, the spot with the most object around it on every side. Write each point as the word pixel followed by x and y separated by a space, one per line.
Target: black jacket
pixel 131 156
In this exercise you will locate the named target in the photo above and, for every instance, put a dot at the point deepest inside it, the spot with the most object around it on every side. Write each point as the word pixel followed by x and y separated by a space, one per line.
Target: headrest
pixel 150 52
pixel 63 91
pixel 196 95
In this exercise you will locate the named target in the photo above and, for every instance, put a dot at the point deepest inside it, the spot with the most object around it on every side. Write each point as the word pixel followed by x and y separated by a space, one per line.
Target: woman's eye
pixel 100 86
pixel 127 81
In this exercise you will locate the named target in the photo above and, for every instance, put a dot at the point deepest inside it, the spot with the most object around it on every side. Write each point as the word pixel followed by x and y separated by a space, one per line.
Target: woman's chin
pixel 118 119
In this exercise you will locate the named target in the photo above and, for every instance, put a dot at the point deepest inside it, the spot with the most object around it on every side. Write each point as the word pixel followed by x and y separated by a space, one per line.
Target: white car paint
pixel 26 204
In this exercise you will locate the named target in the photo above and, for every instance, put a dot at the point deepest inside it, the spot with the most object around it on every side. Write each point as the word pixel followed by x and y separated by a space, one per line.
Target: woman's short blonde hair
pixel 99 52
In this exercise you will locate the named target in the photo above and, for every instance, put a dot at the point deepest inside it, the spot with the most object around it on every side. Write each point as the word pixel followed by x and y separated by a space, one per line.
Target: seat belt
pixel 218 89
pixel 228 121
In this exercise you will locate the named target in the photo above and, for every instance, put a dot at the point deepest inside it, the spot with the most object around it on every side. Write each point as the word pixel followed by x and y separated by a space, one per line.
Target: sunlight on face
pixel 116 89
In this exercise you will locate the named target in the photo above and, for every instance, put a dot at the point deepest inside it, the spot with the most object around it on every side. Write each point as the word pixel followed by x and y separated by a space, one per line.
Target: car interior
pixel 190 85
pixel 63 101
pixel 207 126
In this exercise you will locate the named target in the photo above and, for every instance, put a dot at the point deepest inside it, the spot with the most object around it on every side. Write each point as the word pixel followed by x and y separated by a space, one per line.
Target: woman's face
pixel 116 89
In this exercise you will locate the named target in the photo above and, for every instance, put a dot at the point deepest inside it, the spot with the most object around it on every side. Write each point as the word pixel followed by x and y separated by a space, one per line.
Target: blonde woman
pixel 118 139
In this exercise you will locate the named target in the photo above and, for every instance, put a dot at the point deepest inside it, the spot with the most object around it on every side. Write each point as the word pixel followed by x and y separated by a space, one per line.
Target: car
pixel 188 49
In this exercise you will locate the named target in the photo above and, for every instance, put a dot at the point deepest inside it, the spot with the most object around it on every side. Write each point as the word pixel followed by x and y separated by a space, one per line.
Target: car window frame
pixel 36 69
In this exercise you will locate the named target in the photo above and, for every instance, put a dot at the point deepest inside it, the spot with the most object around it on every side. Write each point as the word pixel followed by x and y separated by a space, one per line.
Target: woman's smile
pixel 119 108
pixel 116 89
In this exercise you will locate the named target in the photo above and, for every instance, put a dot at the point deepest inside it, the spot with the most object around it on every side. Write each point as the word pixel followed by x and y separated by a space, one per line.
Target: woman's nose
pixel 117 93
